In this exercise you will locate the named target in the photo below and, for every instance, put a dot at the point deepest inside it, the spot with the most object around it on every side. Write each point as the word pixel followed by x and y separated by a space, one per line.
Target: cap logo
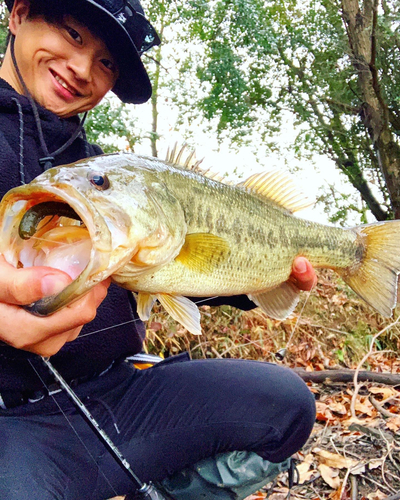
pixel 121 18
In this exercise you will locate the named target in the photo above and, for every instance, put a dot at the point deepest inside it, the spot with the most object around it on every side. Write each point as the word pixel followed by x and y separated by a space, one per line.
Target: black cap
pixel 127 34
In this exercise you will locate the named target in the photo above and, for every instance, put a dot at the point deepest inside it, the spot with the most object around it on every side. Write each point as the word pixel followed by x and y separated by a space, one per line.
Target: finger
pixel 33 330
pixel 303 274
pixel 24 286
pixel 78 313
pixel 52 345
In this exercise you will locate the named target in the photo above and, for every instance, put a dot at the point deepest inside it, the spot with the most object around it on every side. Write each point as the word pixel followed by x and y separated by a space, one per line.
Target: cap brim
pixel 133 84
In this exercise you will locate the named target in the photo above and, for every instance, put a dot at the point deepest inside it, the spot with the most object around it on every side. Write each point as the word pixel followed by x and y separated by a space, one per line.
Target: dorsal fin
pixel 278 187
pixel 175 155
pixel 274 185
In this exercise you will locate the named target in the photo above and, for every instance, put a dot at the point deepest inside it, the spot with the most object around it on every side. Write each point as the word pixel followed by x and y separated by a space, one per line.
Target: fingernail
pixel 300 266
pixel 52 284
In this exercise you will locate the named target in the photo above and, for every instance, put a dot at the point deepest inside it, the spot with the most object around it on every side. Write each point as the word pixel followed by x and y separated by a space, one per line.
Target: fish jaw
pixel 12 209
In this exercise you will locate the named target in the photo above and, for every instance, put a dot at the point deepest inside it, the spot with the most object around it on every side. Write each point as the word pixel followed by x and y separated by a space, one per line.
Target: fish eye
pixel 99 181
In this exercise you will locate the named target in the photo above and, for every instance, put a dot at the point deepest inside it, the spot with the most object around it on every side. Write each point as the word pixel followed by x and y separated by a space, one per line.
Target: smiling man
pixel 62 59
pixel 66 68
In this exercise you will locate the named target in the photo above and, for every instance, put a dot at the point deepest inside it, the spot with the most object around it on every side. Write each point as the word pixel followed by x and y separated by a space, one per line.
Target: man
pixel 63 57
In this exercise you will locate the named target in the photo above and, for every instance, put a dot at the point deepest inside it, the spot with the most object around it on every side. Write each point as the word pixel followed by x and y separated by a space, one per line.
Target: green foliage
pixel 3 30
pixel 252 60
pixel 235 67
pixel 111 126
pixel 339 206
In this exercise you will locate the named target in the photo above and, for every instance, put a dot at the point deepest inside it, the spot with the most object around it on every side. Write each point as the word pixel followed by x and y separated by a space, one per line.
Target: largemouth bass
pixel 169 233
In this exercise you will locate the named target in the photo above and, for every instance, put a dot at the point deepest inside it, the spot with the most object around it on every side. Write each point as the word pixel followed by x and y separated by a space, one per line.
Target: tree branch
pixel 347 376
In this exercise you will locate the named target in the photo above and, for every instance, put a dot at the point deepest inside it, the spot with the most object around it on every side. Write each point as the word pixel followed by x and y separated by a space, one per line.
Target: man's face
pixel 65 68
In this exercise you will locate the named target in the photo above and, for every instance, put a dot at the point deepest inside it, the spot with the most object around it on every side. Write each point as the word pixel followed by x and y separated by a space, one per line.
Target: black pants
pixel 163 419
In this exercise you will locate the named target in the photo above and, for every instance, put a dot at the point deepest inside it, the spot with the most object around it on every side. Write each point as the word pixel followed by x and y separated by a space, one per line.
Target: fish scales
pixel 263 238
pixel 169 233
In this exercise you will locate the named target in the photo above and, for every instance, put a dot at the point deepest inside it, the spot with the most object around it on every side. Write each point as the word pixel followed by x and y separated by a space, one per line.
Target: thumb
pixel 24 286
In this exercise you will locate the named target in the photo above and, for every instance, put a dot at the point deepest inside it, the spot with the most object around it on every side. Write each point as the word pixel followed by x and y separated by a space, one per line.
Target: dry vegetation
pixel 353 453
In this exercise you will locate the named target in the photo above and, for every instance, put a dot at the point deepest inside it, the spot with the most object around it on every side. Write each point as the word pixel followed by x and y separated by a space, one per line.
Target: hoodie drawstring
pixel 21 141
pixel 48 159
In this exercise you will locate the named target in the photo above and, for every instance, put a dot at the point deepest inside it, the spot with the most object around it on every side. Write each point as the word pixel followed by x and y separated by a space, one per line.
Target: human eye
pixel 74 34
pixel 110 65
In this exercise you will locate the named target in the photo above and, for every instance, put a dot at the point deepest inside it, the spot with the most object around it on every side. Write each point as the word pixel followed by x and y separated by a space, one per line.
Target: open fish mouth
pixel 54 235
pixel 58 228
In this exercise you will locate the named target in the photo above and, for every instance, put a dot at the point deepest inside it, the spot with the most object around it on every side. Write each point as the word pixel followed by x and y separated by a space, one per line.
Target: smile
pixel 65 85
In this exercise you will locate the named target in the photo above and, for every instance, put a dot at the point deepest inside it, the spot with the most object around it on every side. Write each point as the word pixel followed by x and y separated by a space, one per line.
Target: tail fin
pixel 375 280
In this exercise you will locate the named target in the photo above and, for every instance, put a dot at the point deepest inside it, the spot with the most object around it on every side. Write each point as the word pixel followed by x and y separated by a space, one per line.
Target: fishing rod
pixel 145 491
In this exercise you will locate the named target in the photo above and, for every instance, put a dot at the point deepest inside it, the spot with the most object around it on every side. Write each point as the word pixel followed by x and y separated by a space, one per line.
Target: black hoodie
pixel 20 152
pixel 116 332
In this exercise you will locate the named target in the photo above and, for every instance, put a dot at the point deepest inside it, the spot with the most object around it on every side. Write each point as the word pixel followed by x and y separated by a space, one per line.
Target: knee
pixel 293 416
pixel 297 401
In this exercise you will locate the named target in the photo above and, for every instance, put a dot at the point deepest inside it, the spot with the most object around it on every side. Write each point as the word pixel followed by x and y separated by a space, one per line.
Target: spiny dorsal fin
pixel 274 185
pixel 174 157
pixel 278 187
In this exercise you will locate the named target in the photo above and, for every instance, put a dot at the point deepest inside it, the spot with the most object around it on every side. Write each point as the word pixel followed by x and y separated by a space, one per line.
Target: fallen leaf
pixel 386 392
pixel 155 326
pixel 377 495
pixel 323 412
pixel 358 469
pixel 365 408
pixel 329 475
pixel 339 408
pixel 375 463
pixel 393 423
pixel 335 460
pixel 303 469
pixel 336 495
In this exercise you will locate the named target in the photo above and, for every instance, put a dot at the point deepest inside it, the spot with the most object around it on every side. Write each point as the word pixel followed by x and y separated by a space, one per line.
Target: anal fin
pixel 279 302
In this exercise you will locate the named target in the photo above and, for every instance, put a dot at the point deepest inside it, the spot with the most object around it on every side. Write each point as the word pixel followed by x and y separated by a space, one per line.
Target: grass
pixel 331 326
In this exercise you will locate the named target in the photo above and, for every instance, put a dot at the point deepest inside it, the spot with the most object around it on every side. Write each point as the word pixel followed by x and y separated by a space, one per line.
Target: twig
pixel 354 487
pixel 382 411
pixel 357 386
pixel 393 497
pixel 383 469
pixel 345 375
pixel 343 488
pixel 380 485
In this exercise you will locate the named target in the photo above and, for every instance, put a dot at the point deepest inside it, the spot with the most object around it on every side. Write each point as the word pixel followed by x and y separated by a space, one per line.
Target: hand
pixel 42 335
pixel 303 274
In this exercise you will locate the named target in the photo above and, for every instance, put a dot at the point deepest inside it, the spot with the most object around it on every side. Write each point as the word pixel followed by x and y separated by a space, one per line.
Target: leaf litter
pixel 353 451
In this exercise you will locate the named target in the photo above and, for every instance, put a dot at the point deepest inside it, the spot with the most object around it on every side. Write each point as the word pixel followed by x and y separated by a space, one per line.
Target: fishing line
pixel 281 353
pixel 133 321
pixel 60 243
pixel 73 429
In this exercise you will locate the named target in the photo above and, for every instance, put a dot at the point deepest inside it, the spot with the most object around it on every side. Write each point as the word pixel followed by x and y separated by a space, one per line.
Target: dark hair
pixel 55 11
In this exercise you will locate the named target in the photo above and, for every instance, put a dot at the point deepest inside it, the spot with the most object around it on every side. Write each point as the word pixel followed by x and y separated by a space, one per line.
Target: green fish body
pixel 168 233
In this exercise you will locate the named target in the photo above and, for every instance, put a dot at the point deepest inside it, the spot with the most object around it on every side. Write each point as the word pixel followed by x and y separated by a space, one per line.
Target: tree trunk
pixel 360 22
pixel 154 105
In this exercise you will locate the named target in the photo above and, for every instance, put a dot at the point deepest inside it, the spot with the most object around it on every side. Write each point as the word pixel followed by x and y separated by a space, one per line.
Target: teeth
pixel 61 82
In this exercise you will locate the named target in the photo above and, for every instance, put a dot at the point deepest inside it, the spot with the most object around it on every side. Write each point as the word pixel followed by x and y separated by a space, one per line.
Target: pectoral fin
pixel 144 304
pixel 203 252
pixel 183 310
pixel 279 302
